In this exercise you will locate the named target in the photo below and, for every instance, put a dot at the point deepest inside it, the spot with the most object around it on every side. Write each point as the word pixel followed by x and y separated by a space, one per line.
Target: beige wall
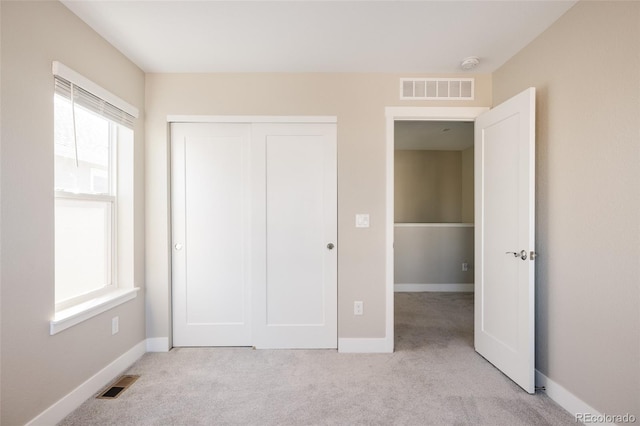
pixel 358 100
pixel 586 68
pixel 428 186
pixel 38 369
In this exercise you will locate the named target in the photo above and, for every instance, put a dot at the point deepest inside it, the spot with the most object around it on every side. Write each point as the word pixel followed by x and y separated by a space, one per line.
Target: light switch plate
pixel 362 220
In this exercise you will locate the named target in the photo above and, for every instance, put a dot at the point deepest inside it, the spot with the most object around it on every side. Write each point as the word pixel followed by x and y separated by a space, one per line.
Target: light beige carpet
pixel 433 378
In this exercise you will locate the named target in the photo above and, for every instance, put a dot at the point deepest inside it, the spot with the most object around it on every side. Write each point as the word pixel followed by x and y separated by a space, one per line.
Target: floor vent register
pixel 119 386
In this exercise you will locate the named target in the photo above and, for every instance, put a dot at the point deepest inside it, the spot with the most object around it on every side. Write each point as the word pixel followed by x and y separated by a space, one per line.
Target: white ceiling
pixel 433 135
pixel 318 36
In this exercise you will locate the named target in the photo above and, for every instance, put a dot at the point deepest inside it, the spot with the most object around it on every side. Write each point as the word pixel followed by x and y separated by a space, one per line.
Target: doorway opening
pixel 427 236
pixel 433 206
pixel 433 231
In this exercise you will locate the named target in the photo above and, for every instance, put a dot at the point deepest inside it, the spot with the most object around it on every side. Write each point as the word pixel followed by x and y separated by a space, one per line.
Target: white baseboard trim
pixel 412 288
pixel 365 345
pixel 86 390
pixel 158 344
pixel 566 399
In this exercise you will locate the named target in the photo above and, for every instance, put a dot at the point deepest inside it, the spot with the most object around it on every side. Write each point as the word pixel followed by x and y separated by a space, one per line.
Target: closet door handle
pixel 330 246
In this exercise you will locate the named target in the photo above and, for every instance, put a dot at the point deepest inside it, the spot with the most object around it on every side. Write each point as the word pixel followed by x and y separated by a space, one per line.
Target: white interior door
pixel 295 258
pixel 210 200
pixel 505 231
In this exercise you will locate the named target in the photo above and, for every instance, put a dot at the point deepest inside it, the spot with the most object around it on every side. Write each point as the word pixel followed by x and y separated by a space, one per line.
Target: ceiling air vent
pixel 428 89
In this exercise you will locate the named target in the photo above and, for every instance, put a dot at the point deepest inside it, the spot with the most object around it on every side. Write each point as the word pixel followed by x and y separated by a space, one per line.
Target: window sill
pixel 71 316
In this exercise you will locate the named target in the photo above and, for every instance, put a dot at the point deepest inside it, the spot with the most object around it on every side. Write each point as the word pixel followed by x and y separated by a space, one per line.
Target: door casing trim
pixel 248 119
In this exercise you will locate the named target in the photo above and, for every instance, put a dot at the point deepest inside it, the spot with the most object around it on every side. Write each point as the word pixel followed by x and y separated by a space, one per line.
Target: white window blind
pixel 92 96
pixel 93 103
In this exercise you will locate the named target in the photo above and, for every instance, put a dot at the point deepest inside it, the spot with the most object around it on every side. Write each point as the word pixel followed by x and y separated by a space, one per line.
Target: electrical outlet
pixel 115 325
pixel 358 307
pixel 465 266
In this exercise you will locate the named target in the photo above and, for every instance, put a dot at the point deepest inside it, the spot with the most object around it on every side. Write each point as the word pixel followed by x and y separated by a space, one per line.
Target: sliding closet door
pixel 254 214
pixel 294 235
pixel 210 200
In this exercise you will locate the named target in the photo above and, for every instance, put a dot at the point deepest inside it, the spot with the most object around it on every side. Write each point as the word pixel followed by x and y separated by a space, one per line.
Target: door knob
pixel 330 246
pixel 178 246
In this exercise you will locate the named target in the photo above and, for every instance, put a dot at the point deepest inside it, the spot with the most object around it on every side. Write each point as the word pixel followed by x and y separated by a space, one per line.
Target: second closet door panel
pixel 295 273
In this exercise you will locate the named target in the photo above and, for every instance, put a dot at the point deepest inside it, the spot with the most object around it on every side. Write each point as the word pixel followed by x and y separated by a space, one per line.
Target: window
pixel 93 189
pixel 86 199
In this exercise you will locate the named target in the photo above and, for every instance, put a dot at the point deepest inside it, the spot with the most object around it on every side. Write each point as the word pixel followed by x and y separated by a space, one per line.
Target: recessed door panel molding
pixel 505 234
pixel 295 235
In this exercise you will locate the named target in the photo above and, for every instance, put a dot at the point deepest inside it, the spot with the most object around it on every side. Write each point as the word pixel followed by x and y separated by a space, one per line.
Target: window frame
pixel 121 287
